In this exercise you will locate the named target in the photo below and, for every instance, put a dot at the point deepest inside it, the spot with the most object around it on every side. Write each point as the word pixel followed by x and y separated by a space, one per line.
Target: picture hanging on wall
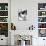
pixel 22 15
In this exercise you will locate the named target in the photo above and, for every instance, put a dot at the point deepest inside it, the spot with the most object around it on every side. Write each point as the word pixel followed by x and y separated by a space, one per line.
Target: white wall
pixel 31 13
pixel 3 1
pixel 32 9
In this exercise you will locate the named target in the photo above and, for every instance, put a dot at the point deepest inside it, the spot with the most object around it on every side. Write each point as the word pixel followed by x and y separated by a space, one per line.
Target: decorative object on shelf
pixel 4 29
pixel 0 7
pixel 6 7
pixel 40 25
pixel 41 13
pixel 3 6
pixel 41 19
pixel 3 19
pixel 22 15
pixel 31 27
pixel 41 6
pixel 42 32
pixel 4 26
pixel 3 13
pixel 13 27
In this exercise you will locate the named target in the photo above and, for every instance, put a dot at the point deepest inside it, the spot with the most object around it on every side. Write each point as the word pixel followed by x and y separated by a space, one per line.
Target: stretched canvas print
pixel 22 15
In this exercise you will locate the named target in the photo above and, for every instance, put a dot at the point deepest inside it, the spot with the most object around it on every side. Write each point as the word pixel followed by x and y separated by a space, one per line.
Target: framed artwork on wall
pixel 22 15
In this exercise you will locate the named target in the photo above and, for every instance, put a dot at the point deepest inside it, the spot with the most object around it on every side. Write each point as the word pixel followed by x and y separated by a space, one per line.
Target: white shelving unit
pixel 42 18
pixel 42 10
pixel 7 16
pixel 4 18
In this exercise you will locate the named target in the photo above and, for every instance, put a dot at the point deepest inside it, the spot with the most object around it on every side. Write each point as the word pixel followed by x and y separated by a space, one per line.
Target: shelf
pixel 3 10
pixel 41 28
pixel 42 16
pixel 41 22
pixel 3 22
pixel 41 10
pixel 3 16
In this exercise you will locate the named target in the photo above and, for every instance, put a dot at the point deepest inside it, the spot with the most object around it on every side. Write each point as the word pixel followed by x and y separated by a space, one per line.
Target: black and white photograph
pixel 22 15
